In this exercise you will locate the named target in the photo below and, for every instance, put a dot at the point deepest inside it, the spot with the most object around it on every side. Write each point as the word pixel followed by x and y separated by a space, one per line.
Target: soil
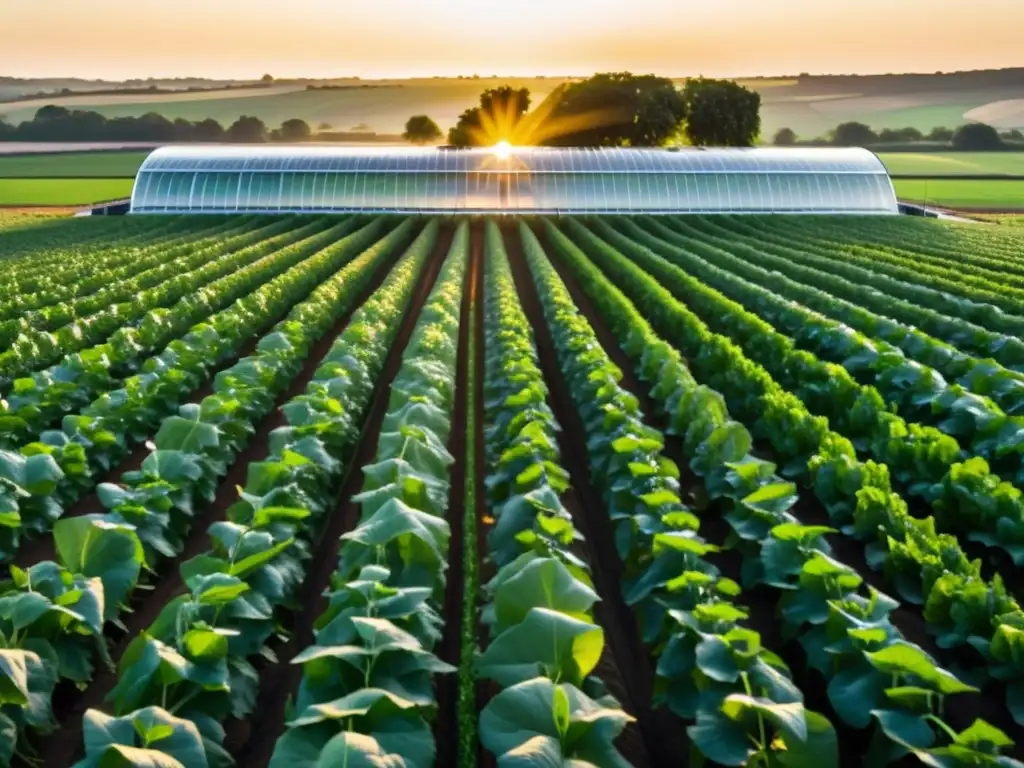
pixel 657 738
pixel 253 741
pixel 71 704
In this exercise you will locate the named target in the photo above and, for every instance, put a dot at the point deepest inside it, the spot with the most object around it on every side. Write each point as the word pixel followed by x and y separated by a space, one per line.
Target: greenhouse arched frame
pixel 514 180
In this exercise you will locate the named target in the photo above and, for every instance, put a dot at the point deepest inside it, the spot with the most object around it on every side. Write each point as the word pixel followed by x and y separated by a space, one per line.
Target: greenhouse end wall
pixel 305 179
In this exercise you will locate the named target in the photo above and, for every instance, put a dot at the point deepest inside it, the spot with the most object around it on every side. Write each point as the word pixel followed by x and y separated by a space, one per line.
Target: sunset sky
pixel 398 38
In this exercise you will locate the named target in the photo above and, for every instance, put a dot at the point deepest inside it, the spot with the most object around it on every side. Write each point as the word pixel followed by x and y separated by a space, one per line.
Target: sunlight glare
pixel 503 150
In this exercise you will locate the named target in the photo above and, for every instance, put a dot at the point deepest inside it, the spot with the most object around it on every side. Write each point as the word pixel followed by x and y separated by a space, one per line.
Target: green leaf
pixel 95 548
pixel 720 739
pixel 903 659
pixel 217 588
pixel 14 675
pixel 355 750
pixel 542 583
pixel 520 727
pixel 546 643
pixel 186 435
pixel 247 565
pixel 8 739
pixel 910 731
pixel 173 741
pixel 787 718
pixel 205 644
pixel 820 749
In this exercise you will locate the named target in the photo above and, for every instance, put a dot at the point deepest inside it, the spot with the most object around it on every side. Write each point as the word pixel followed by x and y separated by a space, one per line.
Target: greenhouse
pixel 504 179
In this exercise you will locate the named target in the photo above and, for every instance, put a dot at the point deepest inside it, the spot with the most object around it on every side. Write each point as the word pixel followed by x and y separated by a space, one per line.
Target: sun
pixel 502 150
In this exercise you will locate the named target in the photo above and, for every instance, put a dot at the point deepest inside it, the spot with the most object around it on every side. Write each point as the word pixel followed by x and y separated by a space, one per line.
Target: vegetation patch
pixel 952 193
pixel 43 192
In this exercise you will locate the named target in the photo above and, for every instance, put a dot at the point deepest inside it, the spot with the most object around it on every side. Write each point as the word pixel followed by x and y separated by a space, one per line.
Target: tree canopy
pixel 420 129
pixel 785 137
pixel 977 137
pixel 293 130
pixel 613 109
pixel 247 129
pixel 495 119
pixel 854 134
pixel 721 113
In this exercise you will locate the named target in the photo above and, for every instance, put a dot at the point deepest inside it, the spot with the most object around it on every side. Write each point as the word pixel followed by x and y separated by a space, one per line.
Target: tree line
pixel 613 109
pixel 970 137
pixel 56 123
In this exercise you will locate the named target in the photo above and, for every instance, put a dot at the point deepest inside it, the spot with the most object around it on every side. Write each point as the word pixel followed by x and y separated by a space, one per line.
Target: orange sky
pixel 394 38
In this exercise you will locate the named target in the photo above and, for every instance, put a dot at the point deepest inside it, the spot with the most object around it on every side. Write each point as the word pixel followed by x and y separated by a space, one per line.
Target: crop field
pixel 945 163
pixel 72 165
pixel 70 191
pixel 392 491
pixel 966 194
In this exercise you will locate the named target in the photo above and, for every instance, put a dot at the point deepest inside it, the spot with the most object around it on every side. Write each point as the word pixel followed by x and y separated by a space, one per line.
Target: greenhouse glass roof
pixel 318 179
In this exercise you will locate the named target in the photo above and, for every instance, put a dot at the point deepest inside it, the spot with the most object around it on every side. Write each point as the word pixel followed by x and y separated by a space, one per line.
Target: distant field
pixel 92 100
pixel 72 165
pixel 948 163
pixel 382 109
pixel 809 108
pixel 33 192
pixel 981 195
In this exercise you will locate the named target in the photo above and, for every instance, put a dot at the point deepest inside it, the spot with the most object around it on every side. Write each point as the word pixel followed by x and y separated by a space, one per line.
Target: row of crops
pixel 385 491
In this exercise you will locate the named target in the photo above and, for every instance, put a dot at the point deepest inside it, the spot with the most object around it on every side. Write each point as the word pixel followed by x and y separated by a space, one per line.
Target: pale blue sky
pixel 244 38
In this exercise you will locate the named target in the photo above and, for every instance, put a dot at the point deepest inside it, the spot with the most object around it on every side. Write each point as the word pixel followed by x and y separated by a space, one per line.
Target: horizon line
pixel 492 76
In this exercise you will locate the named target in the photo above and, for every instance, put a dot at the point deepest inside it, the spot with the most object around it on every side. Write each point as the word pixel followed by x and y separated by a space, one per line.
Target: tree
pixel 420 129
pixel 940 134
pixel 184 130
pixel 854 134
pixel 267 79
pixel 721 113
pixel 247 129
pixel 900 135
pixel 611 109
pixel 208 130
pixel 977 137
pixel 51 112
pixel 785 137
pixel 495 119
pixel 1012 135
pixel 295 130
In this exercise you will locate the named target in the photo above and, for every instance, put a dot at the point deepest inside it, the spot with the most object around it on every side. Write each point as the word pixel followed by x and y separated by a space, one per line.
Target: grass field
pixel 991 195
pixel 32 192
pixel 943 163
pixel 72 165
